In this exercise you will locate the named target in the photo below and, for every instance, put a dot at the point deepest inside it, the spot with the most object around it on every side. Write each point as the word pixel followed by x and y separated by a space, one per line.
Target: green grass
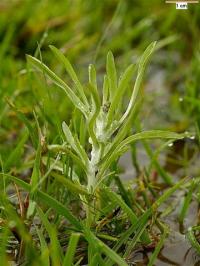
pixel 68 115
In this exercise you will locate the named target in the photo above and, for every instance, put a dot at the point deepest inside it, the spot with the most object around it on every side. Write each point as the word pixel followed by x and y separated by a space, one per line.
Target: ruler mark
pixel 176 1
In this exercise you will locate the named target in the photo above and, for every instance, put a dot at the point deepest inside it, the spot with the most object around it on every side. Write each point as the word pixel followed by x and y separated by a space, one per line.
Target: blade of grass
pixel 26 121
pixel 168 193
pixel 97 244
pixel 123 191
pixel 119 201
pixel 191 237
pixel 143 220
pixel 55 247
pixel 157 203
pixel 35 177
pixel 67 151
pixel 48 200
pixel 161 171
pixel 153 157
pixel 73 187
pixel 16 154
pixel 110 253
pixel 141 228
pixel 43 248
pixel 97 260
pixel 4 236
pixel 71 249
pixel 187 201
pixel 158 247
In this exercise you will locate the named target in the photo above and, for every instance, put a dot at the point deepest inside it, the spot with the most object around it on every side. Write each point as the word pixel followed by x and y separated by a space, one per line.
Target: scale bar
pixel 176 1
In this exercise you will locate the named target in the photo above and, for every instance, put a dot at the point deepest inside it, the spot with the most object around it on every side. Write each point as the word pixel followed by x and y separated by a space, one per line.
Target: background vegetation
pixel 42 213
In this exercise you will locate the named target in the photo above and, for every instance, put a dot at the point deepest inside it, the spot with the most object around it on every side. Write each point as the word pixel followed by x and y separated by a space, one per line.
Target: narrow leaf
pixel 74 143
pixel 48 200
pixel 70 71
pixel 105 90
pixel 111 74
pixel 141 69
pixel 71 249
pixel 73 187
pixel 152 134
pixel 123 83
pixel 158 247
pixel 15 155
pixel 60 83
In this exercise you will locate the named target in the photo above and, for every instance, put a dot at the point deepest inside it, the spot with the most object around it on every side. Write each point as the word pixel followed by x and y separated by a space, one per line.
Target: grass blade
pixel 119 201
pixel 71 249
pixel 158 247
pixel 16 154
pixel 76 188
pixel 141 228
pixel 26 121
pixel 191 237
pixel 35 178
pixel 48 200
pixel 110 253
pixel 56 253
pixel 43 248
pixel 187 201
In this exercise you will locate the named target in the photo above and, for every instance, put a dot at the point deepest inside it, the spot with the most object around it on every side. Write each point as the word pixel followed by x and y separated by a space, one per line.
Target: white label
pixel 182 5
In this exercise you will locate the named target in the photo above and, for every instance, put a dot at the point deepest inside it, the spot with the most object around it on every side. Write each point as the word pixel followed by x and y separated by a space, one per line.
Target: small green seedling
pixel 108 132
